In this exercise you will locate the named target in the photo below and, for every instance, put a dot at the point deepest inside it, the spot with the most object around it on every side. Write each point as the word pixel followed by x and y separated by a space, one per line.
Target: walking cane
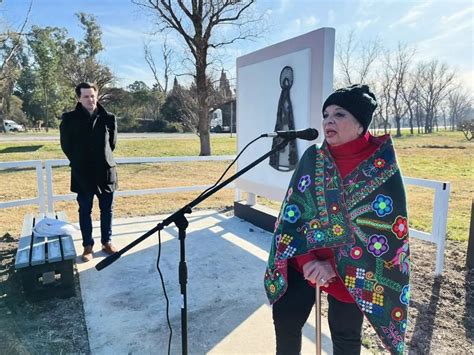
pixel 317 304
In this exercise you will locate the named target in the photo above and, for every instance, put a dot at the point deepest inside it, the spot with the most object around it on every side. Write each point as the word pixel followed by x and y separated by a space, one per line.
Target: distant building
pixel 223 117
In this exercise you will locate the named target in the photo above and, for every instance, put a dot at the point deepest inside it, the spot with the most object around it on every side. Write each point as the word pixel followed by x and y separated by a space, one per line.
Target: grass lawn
pixel 445 156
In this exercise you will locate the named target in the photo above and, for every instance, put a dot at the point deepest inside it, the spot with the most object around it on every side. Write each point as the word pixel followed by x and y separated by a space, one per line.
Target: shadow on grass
pixel 443 146
pixel 21 149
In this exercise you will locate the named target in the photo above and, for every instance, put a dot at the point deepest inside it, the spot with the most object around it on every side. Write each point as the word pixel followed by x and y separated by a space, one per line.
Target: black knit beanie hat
pixel 358 100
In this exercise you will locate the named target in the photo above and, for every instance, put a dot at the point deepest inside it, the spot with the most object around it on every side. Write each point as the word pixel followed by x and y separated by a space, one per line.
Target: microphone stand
pixel 179 219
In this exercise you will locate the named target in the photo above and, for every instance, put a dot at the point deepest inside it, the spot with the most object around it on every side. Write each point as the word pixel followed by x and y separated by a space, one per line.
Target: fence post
pixel 440 221
pixel 470 245
pixel 48 167
pixel 40 183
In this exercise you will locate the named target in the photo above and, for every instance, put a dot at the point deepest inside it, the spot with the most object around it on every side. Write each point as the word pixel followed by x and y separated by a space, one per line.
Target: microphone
pixel 308 134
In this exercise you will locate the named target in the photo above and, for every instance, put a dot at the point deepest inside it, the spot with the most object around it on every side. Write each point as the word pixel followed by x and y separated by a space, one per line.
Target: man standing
pixel 88 138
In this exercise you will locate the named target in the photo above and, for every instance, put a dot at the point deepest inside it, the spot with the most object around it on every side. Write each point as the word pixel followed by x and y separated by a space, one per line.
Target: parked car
pixel 12 126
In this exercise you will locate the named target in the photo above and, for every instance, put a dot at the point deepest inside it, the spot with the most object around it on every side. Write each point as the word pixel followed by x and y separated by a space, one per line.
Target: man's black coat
pixel 88 143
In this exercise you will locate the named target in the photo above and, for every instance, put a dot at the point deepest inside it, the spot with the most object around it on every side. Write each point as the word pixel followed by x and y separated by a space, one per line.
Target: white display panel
pixel 311 57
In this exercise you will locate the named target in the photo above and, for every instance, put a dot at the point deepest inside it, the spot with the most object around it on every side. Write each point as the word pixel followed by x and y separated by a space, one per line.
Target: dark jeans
pixel 85 201
pixel 292 310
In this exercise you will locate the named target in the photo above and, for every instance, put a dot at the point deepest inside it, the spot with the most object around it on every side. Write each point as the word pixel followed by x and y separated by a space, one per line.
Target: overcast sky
pixel 439 29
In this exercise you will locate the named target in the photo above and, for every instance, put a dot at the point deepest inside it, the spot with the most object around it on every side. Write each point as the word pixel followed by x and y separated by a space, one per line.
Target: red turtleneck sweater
pixel 347 157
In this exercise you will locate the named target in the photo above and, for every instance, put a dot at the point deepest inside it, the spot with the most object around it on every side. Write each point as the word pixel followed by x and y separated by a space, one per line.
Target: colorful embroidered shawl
pixel 363 218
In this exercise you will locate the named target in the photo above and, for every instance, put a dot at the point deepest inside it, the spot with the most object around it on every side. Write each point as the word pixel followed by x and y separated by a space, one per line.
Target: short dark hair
pixel 85 86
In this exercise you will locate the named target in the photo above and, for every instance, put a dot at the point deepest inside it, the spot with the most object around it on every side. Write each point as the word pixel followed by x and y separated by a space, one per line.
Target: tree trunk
pixel 429 122
pixel 202 93
pixel 418 120
pixel 399 132
pixel 410 120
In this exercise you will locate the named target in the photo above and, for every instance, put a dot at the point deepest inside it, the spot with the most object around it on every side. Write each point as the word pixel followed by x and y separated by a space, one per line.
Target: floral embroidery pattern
pixel 314 224
pixel 373 260
pixel 304 182
pixel 397 313
pixel 337 230
pixel 356 253
pixel 378 245
pixel 312 231
pixel 379 163
pixel 274 284
pixel 292 213
pixel 334 208
pixel 318 236
pixel 400 227
pixel 405 295
pixel 382 205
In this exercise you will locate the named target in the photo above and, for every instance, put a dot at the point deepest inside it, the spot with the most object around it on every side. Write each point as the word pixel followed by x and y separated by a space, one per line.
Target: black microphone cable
pixel 164 291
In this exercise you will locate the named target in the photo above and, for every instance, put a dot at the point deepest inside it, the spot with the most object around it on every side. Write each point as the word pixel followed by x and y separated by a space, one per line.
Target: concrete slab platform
pixel 228 313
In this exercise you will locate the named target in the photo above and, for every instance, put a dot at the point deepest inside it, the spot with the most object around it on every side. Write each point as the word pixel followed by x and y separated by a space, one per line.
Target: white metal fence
pixel 440 208
pixel 52 197
pixel 39 199
pixel 440 217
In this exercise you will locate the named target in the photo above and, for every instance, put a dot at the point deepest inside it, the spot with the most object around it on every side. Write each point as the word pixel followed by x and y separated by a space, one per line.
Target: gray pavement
pixel 228 313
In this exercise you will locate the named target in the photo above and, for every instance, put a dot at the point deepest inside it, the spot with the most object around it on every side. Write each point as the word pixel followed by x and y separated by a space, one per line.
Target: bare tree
pixel 397 66
pixel 384 112
pixel 167 54
pixel 10 61
pixel 459 106
pixel 467 128
pixel 434 80
pixel 409 95
pixel 356 59
pixel 196 22
pixel 10 42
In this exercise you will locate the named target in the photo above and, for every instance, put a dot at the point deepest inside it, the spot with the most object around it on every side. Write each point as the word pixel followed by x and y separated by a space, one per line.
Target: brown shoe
pixel 109 248
pixel 87 254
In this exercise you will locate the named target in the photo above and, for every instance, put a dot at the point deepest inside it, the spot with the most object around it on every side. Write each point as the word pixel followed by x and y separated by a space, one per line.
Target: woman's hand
pixel 319 271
